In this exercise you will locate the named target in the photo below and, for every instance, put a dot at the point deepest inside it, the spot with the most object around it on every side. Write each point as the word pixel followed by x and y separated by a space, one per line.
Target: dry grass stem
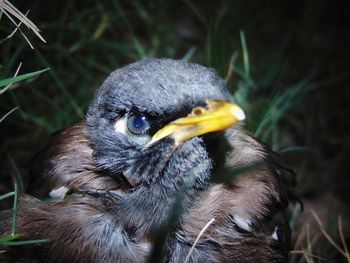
pixel 11 11
pixel 342 238
pixel 197 239
pixel 344 251
pixel 231 67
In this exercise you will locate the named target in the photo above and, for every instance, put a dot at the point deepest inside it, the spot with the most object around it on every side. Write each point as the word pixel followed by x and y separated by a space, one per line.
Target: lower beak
pixel 218 115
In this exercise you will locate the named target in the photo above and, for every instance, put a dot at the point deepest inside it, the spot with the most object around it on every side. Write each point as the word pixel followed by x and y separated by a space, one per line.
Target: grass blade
pixel 24 242
pixel 14 212
pixel 7 114
pixel 7 195
pixel 5 82
pixel 246 64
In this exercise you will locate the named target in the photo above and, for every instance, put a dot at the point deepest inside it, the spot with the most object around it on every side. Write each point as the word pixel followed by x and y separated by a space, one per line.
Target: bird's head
pixel 156 111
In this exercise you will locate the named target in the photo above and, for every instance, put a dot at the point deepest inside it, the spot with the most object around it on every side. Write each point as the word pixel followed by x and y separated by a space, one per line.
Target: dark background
pixel 295 93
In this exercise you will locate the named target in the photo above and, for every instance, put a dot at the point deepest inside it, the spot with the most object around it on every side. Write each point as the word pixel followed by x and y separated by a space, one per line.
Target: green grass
pixel 11 239
pixel 278 75
pixel 10 81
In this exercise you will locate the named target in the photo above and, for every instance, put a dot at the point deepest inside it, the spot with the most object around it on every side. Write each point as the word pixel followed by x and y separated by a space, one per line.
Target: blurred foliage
pixel 286 61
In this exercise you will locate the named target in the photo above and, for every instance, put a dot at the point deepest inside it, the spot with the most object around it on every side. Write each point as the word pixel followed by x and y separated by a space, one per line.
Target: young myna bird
pixel 158 133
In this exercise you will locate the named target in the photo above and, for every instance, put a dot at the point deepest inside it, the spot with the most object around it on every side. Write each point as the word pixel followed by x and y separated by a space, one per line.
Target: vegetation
pixel 285 61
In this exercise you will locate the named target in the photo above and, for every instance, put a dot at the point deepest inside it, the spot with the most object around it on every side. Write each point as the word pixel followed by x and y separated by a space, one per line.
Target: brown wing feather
pixel 67 161
pixel 250 213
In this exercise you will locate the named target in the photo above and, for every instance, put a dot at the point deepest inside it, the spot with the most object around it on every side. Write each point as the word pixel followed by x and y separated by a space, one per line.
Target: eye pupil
pixel 137 124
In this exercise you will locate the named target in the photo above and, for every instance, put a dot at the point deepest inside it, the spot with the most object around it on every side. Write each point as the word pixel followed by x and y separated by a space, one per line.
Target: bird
pixel 143 169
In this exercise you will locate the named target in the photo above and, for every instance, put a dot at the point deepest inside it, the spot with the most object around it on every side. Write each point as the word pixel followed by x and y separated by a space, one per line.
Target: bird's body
pixel 118 179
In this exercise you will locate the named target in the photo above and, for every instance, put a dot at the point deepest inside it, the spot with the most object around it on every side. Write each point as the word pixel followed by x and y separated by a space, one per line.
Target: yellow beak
pixel 218 115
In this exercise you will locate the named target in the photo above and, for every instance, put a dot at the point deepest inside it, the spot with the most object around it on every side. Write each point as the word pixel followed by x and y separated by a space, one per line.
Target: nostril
pixel 197 111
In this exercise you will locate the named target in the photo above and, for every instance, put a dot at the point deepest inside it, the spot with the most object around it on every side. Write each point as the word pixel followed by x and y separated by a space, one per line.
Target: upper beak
pixel 218 115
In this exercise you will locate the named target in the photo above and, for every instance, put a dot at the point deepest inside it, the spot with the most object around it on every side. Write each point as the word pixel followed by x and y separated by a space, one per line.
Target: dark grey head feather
pixel 158 87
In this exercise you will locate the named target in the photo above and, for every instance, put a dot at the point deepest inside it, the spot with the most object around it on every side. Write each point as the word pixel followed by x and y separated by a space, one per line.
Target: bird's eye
pixel 137 124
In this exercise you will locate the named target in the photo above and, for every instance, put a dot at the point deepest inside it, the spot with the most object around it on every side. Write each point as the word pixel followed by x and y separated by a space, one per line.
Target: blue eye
pixel 137 124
